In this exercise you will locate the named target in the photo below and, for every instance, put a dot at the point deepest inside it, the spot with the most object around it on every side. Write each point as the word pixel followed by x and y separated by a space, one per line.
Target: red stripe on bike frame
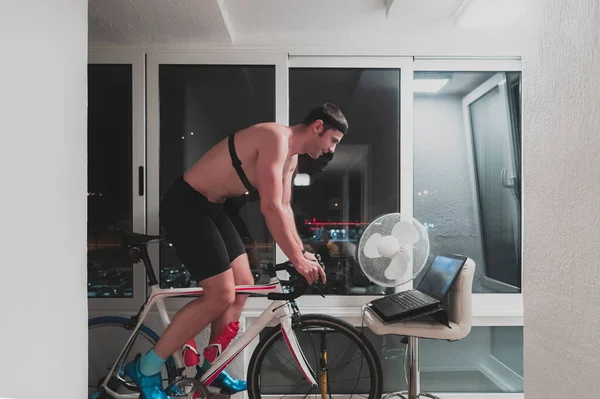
pixel 214 375
pixel 287 341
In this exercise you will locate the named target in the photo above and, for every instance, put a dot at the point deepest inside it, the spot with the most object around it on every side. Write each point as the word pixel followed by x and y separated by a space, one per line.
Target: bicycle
pixel 292 324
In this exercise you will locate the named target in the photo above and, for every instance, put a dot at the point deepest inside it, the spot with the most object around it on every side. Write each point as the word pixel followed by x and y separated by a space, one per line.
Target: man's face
pixel 326 139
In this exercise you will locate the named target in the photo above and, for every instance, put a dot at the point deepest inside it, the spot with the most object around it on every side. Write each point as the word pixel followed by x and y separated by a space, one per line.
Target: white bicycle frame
pixel 280 309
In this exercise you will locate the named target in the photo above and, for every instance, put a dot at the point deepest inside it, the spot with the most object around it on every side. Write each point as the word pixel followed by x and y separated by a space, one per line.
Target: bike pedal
pixel 187 388
pixel 214 395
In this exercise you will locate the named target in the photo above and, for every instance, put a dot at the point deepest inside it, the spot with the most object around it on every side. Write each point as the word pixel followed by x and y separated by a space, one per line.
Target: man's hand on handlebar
pixel 298 283
pixel 310 268
pixel 311 256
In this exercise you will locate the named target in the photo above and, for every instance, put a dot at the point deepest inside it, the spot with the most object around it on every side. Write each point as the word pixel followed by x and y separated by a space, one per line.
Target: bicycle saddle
pixel 138 239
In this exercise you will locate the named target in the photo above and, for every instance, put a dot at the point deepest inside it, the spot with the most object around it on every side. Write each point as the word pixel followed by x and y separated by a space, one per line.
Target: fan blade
pixel 397 267
pixel 405 233
pixel 370 248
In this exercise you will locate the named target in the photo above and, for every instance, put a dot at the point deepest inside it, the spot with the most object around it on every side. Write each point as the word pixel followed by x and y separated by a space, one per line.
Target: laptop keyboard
pixel 407 301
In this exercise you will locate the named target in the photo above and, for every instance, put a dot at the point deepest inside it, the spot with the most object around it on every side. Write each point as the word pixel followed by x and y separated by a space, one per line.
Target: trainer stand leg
pixel 414 380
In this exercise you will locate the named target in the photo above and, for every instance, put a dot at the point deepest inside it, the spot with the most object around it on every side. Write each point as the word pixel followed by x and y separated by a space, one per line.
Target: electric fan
pixel 393 251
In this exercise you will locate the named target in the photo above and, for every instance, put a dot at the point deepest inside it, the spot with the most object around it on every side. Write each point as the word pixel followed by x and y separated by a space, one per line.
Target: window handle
pixel 141 181
pixel 511 180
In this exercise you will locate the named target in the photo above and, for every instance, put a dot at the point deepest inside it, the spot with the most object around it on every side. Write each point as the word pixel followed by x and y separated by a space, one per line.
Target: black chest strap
pixel 237 164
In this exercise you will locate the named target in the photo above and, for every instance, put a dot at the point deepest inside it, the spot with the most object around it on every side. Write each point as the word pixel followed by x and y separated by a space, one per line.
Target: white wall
pixel 43 301
pixel 561 190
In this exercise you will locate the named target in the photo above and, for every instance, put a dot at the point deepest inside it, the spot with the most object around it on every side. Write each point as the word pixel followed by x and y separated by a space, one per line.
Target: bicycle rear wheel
pixel 344 361
pixel 107 336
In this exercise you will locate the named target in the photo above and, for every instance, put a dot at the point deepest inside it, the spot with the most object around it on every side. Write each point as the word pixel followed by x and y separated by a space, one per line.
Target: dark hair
pixel 331 115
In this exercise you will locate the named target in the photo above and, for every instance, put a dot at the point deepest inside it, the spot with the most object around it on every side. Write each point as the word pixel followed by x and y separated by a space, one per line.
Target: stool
pixel 459 316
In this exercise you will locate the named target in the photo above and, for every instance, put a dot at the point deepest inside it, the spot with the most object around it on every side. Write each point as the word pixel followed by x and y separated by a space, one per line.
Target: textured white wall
pixel 561 198
pixel 43 301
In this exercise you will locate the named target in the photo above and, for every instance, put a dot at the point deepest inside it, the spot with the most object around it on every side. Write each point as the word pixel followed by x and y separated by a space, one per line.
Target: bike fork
pixel 292 342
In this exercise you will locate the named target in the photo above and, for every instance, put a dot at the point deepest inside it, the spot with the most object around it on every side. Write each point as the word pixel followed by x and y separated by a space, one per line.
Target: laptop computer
pixel 427 297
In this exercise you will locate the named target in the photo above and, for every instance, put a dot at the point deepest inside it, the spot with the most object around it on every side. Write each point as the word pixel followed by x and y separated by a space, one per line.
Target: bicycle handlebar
pixel 298 284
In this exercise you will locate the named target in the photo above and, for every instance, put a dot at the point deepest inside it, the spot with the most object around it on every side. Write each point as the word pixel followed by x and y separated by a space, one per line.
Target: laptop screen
pixel 440 275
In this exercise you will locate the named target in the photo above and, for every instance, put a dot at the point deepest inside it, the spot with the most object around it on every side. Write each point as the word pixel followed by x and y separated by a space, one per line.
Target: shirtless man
pixel 261 157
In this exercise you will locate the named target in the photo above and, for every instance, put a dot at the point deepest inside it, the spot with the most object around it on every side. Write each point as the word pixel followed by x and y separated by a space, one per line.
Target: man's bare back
pixel 214 176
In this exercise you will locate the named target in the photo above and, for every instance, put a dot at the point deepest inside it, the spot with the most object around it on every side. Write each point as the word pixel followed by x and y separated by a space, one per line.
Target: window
pixel 467 171
pixel 110 271
pixel 333 205
pixel 199 106
pixel 488 360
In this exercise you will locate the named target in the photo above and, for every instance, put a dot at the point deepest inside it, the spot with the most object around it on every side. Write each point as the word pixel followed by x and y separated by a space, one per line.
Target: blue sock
pixel 151 363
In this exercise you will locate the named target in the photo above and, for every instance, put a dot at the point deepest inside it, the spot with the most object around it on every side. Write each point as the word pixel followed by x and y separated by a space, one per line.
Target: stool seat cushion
pixel 459 314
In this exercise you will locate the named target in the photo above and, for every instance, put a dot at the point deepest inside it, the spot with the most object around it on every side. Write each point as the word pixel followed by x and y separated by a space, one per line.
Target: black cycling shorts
pixel 203 236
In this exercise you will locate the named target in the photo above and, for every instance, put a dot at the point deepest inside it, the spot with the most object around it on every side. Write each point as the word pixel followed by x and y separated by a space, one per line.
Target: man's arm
pixel 269 182
pixel 287 200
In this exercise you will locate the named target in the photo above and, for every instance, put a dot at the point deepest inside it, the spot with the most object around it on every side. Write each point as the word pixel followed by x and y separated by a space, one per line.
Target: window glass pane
pixel 110 271
pixel 488 360
pixel 362 180
pixel 467 146
pixel 199 106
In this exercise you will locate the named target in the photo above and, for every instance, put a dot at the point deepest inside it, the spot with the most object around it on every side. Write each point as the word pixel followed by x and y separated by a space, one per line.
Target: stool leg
pixel 414 386
pixel 414 377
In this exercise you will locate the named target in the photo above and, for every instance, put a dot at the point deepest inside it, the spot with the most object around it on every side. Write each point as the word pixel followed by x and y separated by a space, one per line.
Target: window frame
pixel 347 306
pixel 494 309
pixel 489 309
pixel 156 58
pixel 499 79
pixel 138 136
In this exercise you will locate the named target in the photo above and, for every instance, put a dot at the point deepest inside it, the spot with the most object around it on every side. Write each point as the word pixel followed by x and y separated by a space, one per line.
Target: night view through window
pixel 109 180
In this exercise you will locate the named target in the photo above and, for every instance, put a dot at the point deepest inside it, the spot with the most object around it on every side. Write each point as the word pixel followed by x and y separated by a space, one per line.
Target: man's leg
pixel 219 297
pixel 200 247
pixel 242 276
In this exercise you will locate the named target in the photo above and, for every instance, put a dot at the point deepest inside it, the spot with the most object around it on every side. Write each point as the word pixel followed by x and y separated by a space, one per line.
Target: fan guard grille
pixel 374 268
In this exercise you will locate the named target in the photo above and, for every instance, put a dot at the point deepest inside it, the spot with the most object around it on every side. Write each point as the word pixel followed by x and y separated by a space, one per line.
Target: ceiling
pixel 460 83
pixel 135 22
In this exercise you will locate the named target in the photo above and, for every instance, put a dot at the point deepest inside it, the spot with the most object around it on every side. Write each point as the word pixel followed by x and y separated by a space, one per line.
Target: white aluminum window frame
pixel 489 309
pixel 154 59
pixel 138 136
pixel 349 306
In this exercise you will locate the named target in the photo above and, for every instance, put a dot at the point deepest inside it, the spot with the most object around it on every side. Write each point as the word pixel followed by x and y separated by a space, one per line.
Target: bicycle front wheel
pixel 343 360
